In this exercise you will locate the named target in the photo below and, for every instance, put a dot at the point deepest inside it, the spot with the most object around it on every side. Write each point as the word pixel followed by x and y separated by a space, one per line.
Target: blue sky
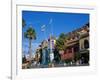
pixel 54 22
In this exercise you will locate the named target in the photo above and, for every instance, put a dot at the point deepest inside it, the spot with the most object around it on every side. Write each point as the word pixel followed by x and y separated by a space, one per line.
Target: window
pixel 86 44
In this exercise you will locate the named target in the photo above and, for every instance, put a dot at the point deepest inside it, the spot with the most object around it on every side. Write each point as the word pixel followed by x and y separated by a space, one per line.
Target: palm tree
pixel 31 35
pixel 23 23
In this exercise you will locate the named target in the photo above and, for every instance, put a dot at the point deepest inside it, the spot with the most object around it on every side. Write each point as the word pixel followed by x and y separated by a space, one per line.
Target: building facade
pixel 77 45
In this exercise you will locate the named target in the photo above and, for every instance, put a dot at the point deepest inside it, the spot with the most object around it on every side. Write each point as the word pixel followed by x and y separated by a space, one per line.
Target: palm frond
pixel 30 33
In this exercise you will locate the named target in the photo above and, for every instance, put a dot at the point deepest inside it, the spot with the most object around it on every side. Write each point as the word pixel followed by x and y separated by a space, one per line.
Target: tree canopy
pixel 30 33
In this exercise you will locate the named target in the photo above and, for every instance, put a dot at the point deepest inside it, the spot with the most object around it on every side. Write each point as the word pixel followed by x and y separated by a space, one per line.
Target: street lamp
pixel 51 43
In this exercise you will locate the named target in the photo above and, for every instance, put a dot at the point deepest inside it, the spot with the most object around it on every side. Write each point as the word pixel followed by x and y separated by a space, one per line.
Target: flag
pixel 50 21
pixel 43 28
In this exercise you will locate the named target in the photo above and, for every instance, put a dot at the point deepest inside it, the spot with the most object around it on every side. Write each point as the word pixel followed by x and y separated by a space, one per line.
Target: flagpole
pixel 51 50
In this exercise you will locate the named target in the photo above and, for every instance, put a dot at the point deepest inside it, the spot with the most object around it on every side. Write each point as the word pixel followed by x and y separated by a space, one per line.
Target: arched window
pixel 86 44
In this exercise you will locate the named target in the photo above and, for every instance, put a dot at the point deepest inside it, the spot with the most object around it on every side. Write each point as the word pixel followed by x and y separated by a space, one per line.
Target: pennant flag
pixel 43 28
pixel 50 21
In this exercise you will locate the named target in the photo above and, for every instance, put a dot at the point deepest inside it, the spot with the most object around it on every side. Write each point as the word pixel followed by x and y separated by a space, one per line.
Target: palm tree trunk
pixel 30 53
pixel 30 49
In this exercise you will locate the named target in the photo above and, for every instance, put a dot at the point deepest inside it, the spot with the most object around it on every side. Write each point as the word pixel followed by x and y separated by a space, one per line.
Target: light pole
pixel 51 50
pixel 51 43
